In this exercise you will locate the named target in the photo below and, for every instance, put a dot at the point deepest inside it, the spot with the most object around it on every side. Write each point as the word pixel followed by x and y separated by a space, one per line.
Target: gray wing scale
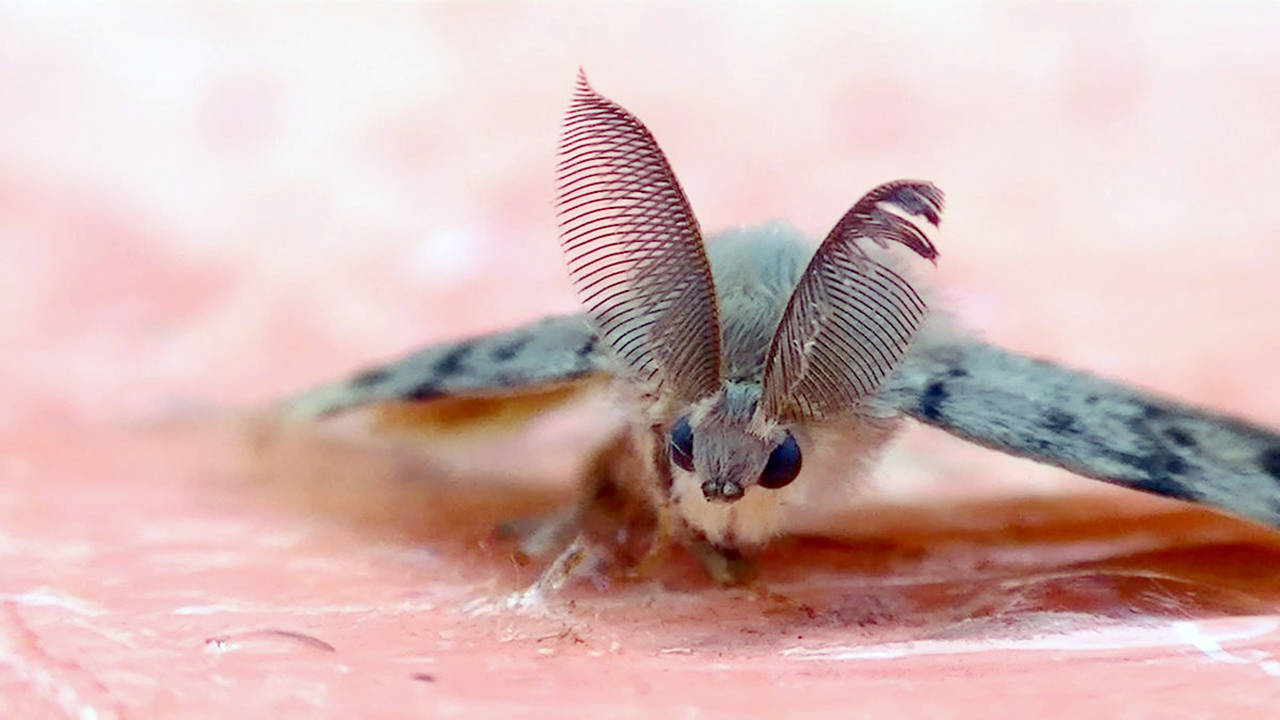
pixel 553 350
pixel 1092 427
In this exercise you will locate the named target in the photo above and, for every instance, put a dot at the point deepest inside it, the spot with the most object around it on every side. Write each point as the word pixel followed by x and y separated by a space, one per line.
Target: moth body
pixel 741 352
pixel 764 374
pixel 755 271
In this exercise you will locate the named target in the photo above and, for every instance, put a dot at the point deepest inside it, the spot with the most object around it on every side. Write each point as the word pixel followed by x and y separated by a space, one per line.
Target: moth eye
pixel 783 466
pixel 681 444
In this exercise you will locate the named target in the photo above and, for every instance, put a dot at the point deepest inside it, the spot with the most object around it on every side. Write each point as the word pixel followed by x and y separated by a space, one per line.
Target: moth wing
pixel 507 374
pixel 1092 427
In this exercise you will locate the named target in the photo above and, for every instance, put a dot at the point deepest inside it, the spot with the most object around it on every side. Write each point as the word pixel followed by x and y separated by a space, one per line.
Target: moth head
pixel 724 443
pixel 635 254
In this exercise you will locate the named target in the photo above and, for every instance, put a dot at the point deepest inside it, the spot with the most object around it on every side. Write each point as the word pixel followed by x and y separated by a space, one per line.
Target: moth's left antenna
pixel 634 248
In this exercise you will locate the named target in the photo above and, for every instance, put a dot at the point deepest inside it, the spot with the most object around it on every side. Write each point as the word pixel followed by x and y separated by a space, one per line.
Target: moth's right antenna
pixel 634 249
pixel 850 319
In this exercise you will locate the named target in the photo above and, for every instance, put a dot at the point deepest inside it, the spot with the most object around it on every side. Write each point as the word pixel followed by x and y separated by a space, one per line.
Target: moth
pixel 760 374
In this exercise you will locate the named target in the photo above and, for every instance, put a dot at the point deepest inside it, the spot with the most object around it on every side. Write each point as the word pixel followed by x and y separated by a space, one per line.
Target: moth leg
pixel 608 510
pixel 567 565
pixel 726 566
pixel 652 481
pixel 729 568
pixel 612 520
pixel 664 537
pixel 541 537
pixel 592 534
pixel 616 509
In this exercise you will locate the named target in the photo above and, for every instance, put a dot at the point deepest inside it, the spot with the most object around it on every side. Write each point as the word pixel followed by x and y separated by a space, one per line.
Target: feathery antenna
pixel 850 319
pixel 634 249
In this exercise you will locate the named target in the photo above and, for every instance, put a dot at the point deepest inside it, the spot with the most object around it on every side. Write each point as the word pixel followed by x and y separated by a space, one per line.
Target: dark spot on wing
pixel 373 376
pixel 957 372
pixel 1042 444
pixel 425 391
pixel 932 399
pixel 1167 487
pixel 1151 412
pixel 1092 399
pixel 1159 470
pixel 1061 422
pixel 1180 437
pixel 588 347
pixel 508 350
pixel 508 379
pixel 451 363
pixel 1269 460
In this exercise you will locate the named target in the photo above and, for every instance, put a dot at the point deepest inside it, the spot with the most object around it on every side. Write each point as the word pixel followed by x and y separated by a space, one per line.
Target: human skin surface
pixel 208 208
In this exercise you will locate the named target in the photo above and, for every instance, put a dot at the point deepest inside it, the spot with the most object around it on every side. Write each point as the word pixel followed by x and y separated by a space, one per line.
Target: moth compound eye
pixel 783 466
pixel 681 444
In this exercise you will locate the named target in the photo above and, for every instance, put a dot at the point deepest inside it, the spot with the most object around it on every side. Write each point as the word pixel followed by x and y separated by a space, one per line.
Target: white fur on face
pixel 836 460
pixel 750 520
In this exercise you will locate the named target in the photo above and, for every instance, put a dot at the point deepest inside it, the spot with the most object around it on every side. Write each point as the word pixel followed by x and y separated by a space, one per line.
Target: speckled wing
pixel 549 352
pixel 1090 426
pixel 634 250
pixel 850 319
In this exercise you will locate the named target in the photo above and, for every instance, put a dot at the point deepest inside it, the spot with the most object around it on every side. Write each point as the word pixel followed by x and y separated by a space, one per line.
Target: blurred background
pixel 220 204
pixel 206 206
